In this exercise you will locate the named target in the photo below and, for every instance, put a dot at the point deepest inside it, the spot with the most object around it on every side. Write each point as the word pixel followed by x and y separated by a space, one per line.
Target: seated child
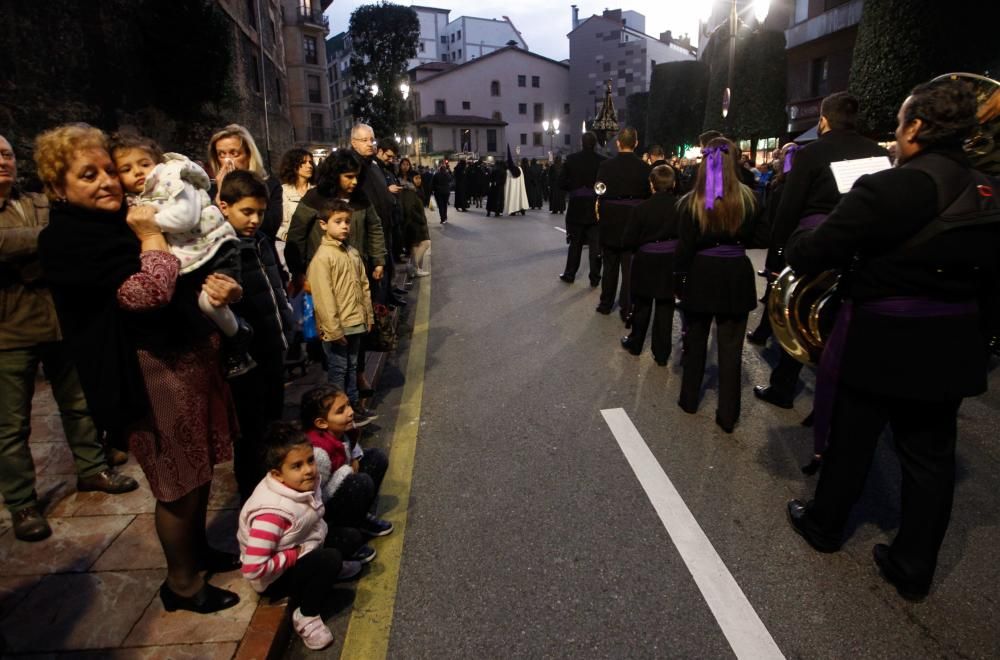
pixel 282 535
pixel 350 476
pixel 418 239
pixel 195 230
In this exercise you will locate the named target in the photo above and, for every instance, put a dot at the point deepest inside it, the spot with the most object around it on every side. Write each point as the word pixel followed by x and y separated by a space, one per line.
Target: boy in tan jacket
pixel 342 301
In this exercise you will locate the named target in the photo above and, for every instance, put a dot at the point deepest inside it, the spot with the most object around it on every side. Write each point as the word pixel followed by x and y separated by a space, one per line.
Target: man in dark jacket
pixel 577 179
pixel 810 192
pixel 914 281
pixel 441 185
pixel 626 179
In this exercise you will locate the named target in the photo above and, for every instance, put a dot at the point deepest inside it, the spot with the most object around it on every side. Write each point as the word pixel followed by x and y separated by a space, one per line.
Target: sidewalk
pixel 91 589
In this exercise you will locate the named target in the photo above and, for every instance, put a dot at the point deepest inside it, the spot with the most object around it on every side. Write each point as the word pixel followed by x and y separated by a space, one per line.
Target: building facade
pixel 614 46
pixel 468 37
pixel 498 99
pixel 305 29
pixel 338 72
pixel 433 27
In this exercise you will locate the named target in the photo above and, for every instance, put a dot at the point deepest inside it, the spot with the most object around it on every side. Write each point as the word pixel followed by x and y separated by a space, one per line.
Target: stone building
pixel 305 28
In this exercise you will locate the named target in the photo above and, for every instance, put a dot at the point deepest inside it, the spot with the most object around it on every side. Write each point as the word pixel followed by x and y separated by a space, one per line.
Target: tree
pixel 636 108
pixel 676 104
pixel 384 37
pixel 902 43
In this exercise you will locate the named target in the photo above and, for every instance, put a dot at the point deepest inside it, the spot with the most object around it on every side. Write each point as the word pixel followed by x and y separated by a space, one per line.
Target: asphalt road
pixel 530 536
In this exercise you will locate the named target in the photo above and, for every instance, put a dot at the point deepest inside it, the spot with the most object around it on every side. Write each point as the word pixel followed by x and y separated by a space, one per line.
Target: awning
pixel 809 136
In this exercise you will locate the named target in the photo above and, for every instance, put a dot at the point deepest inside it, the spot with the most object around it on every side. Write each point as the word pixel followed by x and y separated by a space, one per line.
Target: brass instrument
pixel 803 308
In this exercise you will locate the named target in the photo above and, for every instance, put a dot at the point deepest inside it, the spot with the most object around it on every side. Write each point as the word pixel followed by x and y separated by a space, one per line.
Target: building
pixel 820 44
pixel 305 29
pixel 338 72
pixel 491 101
pixel 468 37
pixel 433 27
pixel 614 46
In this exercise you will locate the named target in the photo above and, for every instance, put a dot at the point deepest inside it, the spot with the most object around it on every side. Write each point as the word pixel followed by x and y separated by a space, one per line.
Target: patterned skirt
pixel 192 423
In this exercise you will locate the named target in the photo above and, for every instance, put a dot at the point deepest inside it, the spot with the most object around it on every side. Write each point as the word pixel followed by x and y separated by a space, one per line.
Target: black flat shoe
pixel 601 309
pixel 689 410
pixel 769 395
pixel 219 561
pixel 595 283
pixel 755 339
pixel 627 345
pixel 796 510
pixel 907 589
pixel 566 278
pixel 728 428
pixel 209 599
pixel 660 362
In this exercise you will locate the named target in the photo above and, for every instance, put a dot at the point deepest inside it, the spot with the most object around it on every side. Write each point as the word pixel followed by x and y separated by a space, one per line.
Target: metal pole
pixel 263 84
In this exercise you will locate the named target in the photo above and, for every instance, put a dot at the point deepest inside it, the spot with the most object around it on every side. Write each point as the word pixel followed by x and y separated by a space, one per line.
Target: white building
pixel 491 101
pixel 468 37
pixel 433 30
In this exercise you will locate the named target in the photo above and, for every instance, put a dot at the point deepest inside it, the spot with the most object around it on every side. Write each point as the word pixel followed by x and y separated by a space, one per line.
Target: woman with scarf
pixel 148 359
pixel 715 279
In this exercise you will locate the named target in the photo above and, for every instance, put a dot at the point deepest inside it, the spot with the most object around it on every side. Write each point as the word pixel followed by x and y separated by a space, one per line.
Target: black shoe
pixel 237 361
pixel 208 599
pixel 628 346
pixel 809 420
pixel 769 395
pixel 725 426
pixel 107 481
pixel 627 320
pixel 601 309
pixel 796 518
pixel 755 339
pixel 594 283
pixel 30 525
pixel 396 301
pixel 688 409
pixel 568 279
pixel 905 588
pixel 662 362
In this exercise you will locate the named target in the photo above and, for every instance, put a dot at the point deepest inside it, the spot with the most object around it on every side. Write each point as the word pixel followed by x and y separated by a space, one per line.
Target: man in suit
pixel 577 179
pixel 626 179
pixel 914 281
pixel 810 192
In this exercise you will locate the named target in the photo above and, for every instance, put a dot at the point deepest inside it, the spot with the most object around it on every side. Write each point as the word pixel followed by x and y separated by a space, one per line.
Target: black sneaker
pixel 376 526
pixel 238 360
pixel 237 365
pixel 363 555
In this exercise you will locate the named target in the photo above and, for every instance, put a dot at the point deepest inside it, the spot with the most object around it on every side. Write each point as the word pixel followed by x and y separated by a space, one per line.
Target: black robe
pixel 495 196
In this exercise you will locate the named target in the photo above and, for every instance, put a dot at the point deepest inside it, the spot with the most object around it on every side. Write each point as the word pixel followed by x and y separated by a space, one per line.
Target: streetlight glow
pixel 761 9
pixel 374 89
pixel 545 125
pixel 555 124
pixel 405 89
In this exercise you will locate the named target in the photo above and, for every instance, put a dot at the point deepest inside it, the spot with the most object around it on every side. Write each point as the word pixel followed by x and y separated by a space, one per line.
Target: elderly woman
pixel 233 148
pixel 148 360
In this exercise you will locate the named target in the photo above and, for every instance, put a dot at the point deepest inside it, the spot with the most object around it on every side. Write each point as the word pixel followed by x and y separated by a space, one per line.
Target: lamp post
pixel 551 129
pixel 760 11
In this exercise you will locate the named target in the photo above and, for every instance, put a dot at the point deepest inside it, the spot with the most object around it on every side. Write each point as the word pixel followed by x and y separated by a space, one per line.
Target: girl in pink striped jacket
pixel 282 535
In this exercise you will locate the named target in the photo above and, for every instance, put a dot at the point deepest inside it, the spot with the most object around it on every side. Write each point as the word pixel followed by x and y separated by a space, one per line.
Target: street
pixel 528 533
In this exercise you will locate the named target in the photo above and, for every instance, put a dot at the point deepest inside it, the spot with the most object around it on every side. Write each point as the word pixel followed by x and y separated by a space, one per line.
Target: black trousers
pixel 308 583
pixel 357 495
pixel 730 329
pixel 663 323
pixel 259 397
pixel 785 376
pixel 924 435
pixel 616 260
pixel 441 199
pixel 578 236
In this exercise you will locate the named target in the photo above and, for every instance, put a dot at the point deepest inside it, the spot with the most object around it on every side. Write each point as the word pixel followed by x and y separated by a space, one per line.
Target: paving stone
pixel 74 546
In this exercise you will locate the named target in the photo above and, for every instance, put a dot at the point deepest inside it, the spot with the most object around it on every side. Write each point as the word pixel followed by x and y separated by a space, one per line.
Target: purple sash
pixel 828 374
pixel 727 251
pixel 625 201
pixel 582 192
pixel 812 221
pixel 660 247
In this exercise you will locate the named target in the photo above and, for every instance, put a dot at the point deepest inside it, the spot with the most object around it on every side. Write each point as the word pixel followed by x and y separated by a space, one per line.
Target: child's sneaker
pixel 376 526
pixel 349 570
pixel 314 633
pixel 237 360
pixel 363 416
pixel 364 554
pixel 420 272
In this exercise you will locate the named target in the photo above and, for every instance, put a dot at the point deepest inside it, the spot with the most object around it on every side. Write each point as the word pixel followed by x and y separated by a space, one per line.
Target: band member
pixel 810 193
pixel 627 181
pixel 652 233
pixel 912 281
pixel 577 179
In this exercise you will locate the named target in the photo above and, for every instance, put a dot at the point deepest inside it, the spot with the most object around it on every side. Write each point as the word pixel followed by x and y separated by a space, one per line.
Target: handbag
pixel 382 337
pixel 309 331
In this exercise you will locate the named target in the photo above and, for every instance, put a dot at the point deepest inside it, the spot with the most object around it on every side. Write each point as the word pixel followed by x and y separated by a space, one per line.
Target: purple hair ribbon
pixel 713 175
pixel 789 158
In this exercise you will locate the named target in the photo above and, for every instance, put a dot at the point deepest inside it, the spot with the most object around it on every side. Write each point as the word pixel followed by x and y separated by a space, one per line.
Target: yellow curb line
pixel 367 635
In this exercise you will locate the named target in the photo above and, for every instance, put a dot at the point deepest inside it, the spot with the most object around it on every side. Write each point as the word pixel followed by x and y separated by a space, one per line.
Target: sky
pixel 544 24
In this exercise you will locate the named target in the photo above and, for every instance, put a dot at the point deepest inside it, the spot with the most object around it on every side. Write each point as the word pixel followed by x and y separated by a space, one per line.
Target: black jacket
pixel 654 220
pixel 375 188
pixel 937 358
pixel 441 183
pixel 579 173
pixel 810 187
pixel 264 305
pixel 626 178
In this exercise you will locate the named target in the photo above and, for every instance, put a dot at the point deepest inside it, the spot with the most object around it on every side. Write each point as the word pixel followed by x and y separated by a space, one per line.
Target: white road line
pixel 739 622
pixel 559 229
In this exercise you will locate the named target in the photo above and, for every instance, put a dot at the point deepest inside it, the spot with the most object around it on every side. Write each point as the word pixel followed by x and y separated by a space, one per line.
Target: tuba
pixel 803 308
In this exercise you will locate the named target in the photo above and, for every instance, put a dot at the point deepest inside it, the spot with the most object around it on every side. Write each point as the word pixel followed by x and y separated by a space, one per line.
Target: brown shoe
pixel 107 481
pixel 30 525
pixel 116 457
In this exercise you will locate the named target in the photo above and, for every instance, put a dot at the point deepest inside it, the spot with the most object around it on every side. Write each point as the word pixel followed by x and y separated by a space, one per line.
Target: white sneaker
pixel 314 633
pixel 422 273
pixel 349 570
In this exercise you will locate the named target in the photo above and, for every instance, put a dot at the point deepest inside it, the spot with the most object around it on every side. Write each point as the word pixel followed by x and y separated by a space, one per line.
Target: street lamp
pixel 405 90
pixel 551 129
pixel 760 11
pixel 374 89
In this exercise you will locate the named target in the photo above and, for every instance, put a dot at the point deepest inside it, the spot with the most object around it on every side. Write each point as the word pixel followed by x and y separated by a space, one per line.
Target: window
pixel 252 13
pixel 444 58
pixel 254 73
pixel 315 95
pixel 536 139
pixel 565 108
pixel 497 115
pixel 536 81
pixel 524 138
pixel 452 37
pixel 459 35
pixel 444 39
pixel 607 66
pixel 819 84
pixel 309 48
pixel 566 139
pixel 277 89
pixel 491 139
pixel 522 108
pixel 459 53
pixel 495 88
pixel 316 120
pixel 522 81
pixel 539 111
pixel 422 47
pixel 466 105
pixel 440 107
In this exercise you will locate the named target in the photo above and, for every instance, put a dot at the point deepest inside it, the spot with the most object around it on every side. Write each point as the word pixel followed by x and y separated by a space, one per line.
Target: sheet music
pixel 846 172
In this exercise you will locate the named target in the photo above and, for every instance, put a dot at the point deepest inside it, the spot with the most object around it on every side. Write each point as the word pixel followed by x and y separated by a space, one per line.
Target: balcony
pixel 314 18
pixel 315 135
